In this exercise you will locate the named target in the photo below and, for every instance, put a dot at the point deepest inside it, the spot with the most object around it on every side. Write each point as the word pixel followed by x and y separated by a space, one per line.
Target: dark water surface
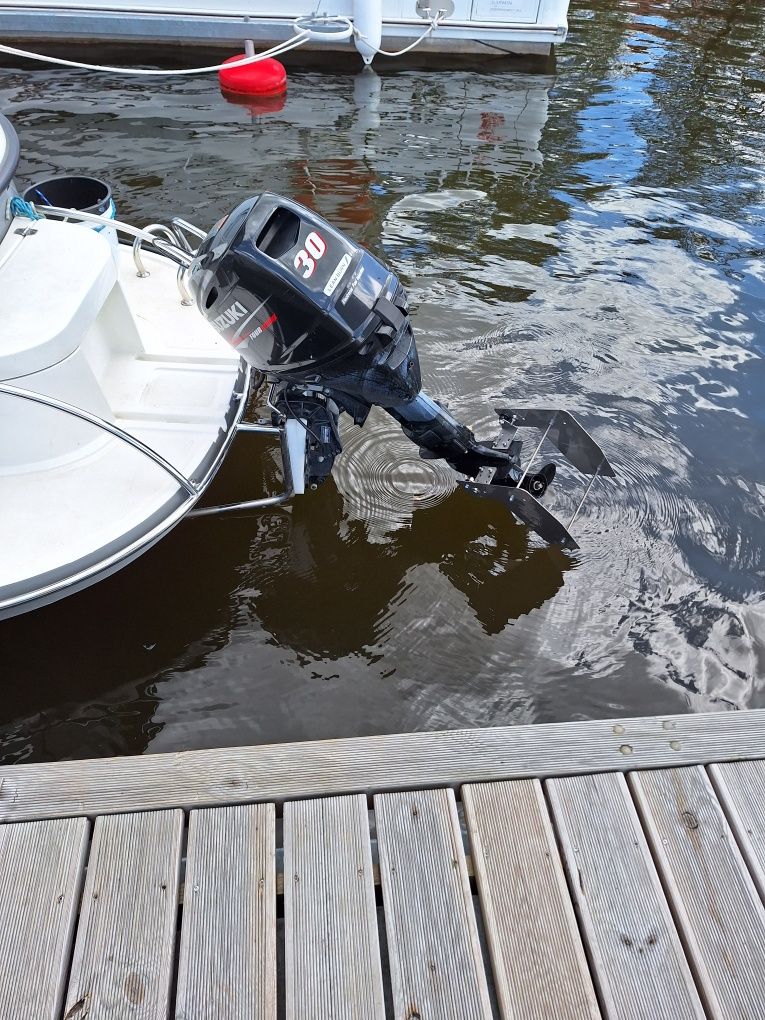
pixel 592 240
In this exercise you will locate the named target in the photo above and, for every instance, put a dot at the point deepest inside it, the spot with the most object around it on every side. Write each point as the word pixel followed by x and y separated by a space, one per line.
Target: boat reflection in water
pixel 329 591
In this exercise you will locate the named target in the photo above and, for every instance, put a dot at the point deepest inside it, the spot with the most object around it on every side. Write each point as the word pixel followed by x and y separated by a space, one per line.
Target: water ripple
pixel 382 478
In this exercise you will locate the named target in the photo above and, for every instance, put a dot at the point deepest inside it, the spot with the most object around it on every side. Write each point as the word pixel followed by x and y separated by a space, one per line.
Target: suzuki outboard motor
pixel 329 327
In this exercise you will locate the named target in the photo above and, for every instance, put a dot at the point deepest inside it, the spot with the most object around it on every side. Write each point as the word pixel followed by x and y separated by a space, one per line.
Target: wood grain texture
pixel 123 953
pixel 41 870
pixel 436 965
pixel 715 901
pixel 740 787
pixel 227 962
pixel 332 952
pixel 638 960
pixel 281 772
pixel 540 969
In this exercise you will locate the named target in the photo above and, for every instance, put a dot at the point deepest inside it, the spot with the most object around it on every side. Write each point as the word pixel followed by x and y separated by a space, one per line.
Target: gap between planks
pixel 375 876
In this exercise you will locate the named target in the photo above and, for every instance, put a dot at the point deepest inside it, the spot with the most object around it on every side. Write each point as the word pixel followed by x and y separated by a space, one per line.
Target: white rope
pixel 302 36
pixel 283 47
pixel 59 212
pixel 399 53
pixel 343 27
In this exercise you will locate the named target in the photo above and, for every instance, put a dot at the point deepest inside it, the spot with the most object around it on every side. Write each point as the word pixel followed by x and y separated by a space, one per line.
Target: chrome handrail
pixel 153 228
pixel 255 504
pixel 191 487
pixel 250 504
pixel 182 227
pixel 264 430
pixel 107 426
pixel 178 240
pixel 183 290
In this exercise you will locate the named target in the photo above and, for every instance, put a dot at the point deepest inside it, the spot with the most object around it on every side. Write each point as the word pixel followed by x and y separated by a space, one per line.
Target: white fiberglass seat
pixel 53 282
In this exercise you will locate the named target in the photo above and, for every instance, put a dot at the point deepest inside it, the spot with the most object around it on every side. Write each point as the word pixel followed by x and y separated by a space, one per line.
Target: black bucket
pixel 86 194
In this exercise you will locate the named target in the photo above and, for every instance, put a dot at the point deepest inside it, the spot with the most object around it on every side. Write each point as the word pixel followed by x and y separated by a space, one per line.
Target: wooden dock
pixel 572 871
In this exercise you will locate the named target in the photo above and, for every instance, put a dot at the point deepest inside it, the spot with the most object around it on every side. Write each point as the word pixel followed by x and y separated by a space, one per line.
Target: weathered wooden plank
pixel 540 969
pixel 123 953
pixel 227 963
pixel 436 966
pixel 371 764
pixel 740 788
pixel 638 960
pixel 712 893
pixel 41 869
pixel 332 952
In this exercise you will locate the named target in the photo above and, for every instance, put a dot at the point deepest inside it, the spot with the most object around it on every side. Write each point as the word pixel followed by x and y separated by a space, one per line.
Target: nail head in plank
pixel 712 893
pixel 540 969
pixel 40 882
pixel 332 952
pixel 437 969
pixel 740 787
pixel 638 960
pixel 123 953
pixel 227 963
pixel 279 772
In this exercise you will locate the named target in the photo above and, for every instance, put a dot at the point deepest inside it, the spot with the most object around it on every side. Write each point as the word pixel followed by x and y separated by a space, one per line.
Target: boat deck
pixel 578 870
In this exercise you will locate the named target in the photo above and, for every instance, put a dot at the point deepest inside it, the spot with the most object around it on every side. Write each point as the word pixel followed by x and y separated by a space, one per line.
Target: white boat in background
pixel 117 402
pixel 476 27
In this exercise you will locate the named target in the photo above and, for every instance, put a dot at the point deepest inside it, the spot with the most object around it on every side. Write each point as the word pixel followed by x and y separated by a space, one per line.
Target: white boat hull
pixel 79 500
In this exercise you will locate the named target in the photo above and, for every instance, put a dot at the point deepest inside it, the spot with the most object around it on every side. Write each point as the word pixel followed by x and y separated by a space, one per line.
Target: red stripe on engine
pixel 256 332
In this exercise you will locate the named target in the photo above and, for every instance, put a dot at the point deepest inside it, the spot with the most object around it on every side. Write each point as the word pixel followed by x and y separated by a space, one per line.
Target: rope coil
pixel 18 207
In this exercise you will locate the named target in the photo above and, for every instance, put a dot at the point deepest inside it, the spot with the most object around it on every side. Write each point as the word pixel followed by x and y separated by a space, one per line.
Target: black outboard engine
pixel 329 327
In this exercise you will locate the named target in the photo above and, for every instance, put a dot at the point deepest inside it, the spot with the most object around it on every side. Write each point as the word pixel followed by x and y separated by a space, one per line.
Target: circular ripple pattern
pixel 382 478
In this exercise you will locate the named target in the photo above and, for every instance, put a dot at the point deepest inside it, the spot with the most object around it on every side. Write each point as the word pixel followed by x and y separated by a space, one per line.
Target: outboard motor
pixel 328 325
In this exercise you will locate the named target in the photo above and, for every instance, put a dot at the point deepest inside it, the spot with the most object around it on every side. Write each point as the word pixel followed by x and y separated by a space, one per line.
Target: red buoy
pixel 265 78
